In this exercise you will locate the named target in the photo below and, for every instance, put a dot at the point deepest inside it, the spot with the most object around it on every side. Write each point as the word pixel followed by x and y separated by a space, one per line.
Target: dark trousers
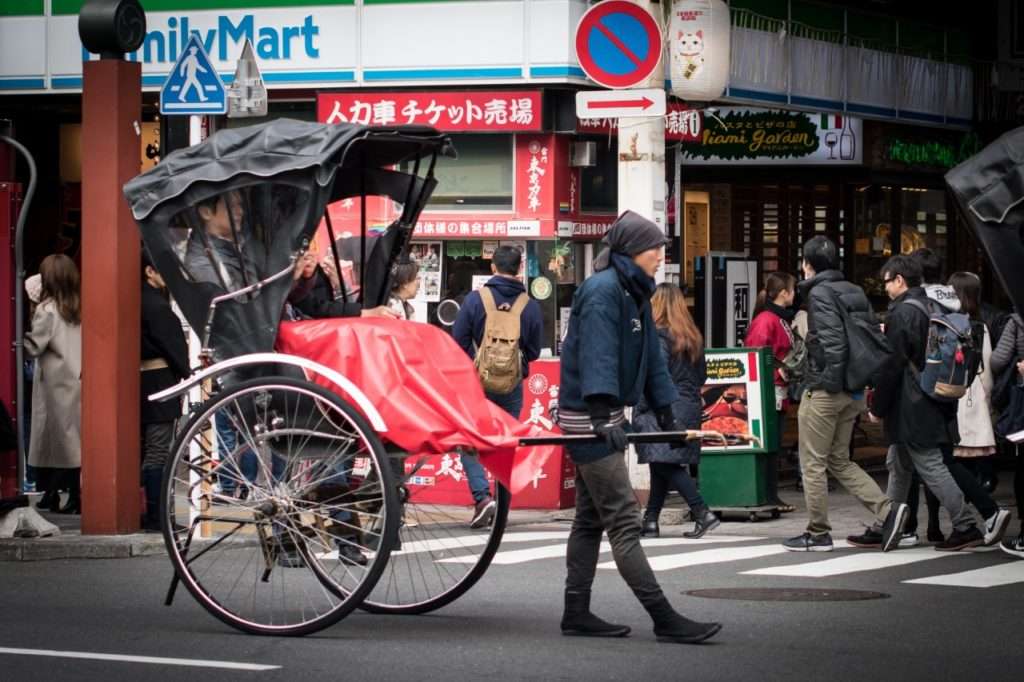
pixel 667 476
pixel 605 502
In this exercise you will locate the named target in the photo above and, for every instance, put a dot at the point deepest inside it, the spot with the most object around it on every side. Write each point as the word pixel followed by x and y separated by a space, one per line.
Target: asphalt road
pixel 507 626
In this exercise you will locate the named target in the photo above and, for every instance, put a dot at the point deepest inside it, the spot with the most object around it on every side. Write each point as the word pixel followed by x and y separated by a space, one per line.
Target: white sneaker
pixel 995 527
pixel 909 540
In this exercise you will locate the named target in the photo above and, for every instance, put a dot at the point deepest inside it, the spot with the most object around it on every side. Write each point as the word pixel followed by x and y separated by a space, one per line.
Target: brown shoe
pixel 484 512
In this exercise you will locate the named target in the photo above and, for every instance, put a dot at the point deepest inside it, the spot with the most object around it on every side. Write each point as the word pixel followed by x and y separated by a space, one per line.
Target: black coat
pixel 162 338
pixel 317 300
pixel 910 416
pixel 688 378
pixel 827 347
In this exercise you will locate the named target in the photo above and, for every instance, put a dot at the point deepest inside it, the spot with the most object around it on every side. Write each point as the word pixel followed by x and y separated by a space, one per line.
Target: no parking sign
pixel 618 44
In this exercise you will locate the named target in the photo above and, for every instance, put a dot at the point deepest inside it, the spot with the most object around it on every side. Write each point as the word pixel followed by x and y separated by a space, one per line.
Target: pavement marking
pixel 437 544
pixel 853 563
pixel 519 556
pixel 156 660
pixel 991 576
pixel 667 562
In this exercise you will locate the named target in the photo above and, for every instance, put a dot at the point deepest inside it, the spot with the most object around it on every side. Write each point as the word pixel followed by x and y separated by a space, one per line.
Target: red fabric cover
pixel 424 386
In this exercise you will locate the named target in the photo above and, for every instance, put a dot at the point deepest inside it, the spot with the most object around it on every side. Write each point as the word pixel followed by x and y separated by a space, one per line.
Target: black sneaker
pixel 995 527
pixel 484 512
pixel 935 535
pixel 1014 546
pixel 809 543
pixel 350 554
pixel 956 541
pixel 871 538
pixel 892 529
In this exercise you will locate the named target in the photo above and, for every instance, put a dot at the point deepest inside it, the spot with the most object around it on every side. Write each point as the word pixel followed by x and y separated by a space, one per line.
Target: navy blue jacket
pixel 611 349
pixel 469 324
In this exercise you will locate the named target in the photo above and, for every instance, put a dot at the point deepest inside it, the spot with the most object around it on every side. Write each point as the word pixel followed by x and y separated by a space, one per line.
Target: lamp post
pixel 111 109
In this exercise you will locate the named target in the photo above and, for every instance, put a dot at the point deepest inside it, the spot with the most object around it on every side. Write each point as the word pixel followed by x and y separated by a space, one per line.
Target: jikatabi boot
pixel 578 621
pixel 670 626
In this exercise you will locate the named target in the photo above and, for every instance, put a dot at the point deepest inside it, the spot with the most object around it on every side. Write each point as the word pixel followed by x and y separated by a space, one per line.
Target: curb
pixel 77 546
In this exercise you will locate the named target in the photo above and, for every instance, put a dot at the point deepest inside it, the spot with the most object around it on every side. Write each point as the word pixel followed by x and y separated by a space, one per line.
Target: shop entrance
pixel 772 222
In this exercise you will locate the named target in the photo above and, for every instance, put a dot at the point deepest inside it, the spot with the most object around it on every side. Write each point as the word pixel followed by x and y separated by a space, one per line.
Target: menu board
pixel 739 397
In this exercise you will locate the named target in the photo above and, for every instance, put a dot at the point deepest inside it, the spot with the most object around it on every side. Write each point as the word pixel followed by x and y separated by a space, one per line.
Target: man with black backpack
pixel 844 344
pixel 919 424
pixel 500 327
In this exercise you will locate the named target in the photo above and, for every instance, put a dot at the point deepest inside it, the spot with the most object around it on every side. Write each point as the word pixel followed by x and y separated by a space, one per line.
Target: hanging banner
pixel 772 137
pixel 517 110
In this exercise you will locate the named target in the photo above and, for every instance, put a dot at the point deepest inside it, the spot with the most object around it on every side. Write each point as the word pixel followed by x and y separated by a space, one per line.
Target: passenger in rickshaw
pixel 325 294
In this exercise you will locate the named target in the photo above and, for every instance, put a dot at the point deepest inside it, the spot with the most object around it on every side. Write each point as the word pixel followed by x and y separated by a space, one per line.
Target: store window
pixel 599 191
pixel 872 215
pixel 479 179
pixel 924 220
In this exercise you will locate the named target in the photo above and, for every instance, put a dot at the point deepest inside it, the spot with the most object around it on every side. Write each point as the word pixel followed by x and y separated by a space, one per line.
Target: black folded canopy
pixel 989 189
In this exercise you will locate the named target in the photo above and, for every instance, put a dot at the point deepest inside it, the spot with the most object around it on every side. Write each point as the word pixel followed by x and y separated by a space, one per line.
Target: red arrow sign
pixel 643 104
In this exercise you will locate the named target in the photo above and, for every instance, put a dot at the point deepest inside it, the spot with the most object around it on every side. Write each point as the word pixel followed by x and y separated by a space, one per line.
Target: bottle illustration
pixel 847 141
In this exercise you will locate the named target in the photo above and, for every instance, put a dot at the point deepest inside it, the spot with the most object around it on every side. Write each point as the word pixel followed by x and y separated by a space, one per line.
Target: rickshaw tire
pixel 389 491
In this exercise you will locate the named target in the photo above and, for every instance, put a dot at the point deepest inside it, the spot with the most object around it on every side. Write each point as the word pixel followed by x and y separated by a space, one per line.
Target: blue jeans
pixel 246 468
pixel 475 475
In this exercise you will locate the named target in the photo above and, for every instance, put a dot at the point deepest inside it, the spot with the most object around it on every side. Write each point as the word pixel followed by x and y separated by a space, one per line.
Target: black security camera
pixel 112 28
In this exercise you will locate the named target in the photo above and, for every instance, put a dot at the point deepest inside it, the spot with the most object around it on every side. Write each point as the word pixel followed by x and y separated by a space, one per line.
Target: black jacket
pixel 688 378
pixel 162 338
pixel 317 300
pixel 910 416
pixel 827 347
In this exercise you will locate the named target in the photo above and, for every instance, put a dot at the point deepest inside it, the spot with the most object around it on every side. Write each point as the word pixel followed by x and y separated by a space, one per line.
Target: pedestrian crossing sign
pixel 193 87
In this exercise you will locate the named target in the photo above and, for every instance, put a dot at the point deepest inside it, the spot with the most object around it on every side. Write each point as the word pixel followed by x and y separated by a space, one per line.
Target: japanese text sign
pixel 447 111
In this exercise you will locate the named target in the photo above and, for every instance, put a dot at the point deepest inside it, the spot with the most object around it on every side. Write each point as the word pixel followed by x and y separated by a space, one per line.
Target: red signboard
pixel 681 123
pixel 442 480
pixel 535 172
pixel 509 110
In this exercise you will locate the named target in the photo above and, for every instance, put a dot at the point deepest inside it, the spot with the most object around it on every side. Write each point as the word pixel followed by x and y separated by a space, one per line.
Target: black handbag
pixel 1002 385
pixel 1012 418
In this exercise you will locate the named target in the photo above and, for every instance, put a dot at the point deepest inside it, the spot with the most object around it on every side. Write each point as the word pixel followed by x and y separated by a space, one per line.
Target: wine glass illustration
pixel 830 141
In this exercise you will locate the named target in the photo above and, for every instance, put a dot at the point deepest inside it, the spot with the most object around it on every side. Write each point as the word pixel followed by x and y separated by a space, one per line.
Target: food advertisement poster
pixel 734 398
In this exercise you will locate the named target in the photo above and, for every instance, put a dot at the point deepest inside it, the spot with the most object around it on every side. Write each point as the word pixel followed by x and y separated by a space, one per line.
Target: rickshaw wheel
pixel 285 531
pixel 438 557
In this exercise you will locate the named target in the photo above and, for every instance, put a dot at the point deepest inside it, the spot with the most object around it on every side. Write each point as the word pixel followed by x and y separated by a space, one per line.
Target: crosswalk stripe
pixel 519 556
pixel 666 562
pixel 461 542
pixel 853 563
pixel 990 576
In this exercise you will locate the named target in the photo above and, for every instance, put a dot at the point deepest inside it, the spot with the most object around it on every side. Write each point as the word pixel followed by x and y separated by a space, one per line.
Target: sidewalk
pixel 845 513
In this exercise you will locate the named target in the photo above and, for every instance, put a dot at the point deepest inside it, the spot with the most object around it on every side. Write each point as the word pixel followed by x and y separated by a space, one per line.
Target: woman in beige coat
pixel 55 340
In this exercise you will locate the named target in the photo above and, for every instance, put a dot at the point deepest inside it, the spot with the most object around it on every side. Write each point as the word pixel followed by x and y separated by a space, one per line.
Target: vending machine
pixel 726 289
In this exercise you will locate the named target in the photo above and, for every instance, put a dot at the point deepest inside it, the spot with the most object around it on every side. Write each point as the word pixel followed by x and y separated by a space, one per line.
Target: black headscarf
pixel 629 235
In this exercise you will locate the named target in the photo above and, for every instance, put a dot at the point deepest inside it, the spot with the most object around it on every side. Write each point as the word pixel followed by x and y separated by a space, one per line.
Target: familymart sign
pixel 295 41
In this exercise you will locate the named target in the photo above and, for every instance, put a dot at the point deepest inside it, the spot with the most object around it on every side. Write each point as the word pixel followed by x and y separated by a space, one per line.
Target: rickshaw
pixel 292 494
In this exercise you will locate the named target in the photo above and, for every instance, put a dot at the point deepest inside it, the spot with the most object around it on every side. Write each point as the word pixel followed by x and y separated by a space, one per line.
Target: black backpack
pixel 868 349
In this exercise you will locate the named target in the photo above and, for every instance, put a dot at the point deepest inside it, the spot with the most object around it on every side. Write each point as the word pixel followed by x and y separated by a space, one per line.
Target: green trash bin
pixel 739 396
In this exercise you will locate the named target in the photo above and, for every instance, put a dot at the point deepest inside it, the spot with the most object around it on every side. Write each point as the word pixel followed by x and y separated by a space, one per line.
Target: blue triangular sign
pixel 193 87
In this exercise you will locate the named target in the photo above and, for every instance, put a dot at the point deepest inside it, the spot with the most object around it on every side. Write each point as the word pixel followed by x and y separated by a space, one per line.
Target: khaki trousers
pixel 826 427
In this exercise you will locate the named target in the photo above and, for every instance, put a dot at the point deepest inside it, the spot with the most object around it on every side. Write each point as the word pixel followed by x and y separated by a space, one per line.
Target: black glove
pixel 666 418
pixel 614 436
pixel 599 407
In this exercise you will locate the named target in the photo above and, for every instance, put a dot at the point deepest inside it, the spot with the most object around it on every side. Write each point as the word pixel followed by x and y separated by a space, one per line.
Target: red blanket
pixel 425 388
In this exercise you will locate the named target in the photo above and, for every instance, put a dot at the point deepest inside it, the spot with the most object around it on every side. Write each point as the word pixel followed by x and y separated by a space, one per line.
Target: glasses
pixel 891 279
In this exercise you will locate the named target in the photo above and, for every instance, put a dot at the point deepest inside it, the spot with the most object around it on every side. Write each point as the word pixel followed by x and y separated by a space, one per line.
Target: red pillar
pixel 111 106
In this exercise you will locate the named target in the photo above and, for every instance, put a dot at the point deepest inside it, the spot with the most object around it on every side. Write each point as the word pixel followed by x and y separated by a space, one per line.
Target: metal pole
pixel 19 288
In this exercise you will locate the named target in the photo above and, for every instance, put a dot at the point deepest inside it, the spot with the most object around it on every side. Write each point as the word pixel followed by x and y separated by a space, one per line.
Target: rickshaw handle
pixel 346 387
pixel 651 437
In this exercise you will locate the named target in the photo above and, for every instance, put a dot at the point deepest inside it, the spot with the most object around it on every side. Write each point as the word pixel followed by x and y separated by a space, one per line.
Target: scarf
pixel 787 314
pixel 635 280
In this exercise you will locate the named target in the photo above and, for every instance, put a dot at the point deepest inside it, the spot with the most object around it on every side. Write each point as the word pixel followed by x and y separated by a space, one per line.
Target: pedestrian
pixel 828 408
pixel 682 347
pixel 55 341
pixel 164 354
pixel 610 358
pixel 771 327
pixel 502 300
pixel 916 426
pixel 405 283
pixel 1008 356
